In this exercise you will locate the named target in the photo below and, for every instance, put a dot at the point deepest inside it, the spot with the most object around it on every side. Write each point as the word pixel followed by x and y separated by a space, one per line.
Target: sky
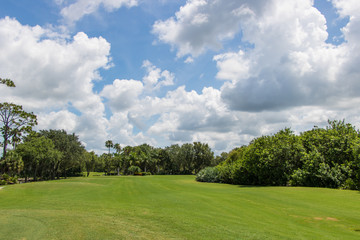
pixel 164 72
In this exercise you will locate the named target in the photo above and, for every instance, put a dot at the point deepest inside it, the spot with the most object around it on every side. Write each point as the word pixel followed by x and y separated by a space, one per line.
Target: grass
pixel 174 207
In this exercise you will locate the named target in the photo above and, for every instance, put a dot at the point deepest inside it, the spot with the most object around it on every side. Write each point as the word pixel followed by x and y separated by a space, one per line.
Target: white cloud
pixel 189 60
pixel 80 8
pixel 122 94
pixel 291 64
pixel 156 78
pixel 53 75
pixel 203 24
pixel 289 76
pixel 58 120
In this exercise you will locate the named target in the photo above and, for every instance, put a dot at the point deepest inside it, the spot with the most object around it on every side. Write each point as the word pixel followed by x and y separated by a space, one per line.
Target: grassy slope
pixel 174 207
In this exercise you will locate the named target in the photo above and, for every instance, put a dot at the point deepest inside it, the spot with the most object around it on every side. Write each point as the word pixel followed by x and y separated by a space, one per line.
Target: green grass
pixel 174 207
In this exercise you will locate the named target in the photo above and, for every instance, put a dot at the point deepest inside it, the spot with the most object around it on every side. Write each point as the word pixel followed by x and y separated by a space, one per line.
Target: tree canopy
pixel 321 157
pixel 7 82
pixel 15 122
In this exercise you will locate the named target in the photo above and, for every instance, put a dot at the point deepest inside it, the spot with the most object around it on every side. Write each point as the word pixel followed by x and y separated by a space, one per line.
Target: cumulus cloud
pixel 54 75
pixel 291 64
pixel 80 8
pixel 203 24
pixel 125 94
pixel 48 71
pixel 287 76
pixel 58 120
pixel 156 78
pixel 122 94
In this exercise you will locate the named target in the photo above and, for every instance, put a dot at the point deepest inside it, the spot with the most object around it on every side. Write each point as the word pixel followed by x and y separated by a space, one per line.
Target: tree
pixel 117 162
pixel 39 156
pixel 186 157
pixel 15 122
pixel 72 151
pixel 89 160
pixel 108 163
pixel 117 147
pixel 12 164
pixel 109 144
pixel 203 156
pixel 7 82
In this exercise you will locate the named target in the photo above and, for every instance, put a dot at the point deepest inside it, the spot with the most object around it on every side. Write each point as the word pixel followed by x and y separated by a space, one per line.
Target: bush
pixel 134 170
pixel 5 177
pixel 327 157
pixel 208 174
pixel 350 184
pixel 13 180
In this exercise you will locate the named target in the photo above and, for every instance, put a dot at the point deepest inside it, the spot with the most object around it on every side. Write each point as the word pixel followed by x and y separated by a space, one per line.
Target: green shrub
pixel 298 178
pixel 13 180
pixel 5 177
pixel 350 184
pixel 208 174
pixel 134 170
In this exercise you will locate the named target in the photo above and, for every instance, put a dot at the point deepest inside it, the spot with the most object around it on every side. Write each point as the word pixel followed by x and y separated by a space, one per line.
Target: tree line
pixel 188 158
pixel 321 157
pixel 54 154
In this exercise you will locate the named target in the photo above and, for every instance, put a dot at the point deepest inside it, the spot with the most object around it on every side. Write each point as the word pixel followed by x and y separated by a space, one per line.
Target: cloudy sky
pixel 165 71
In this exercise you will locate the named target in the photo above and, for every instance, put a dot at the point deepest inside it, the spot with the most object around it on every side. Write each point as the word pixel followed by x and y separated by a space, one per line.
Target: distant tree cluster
pixel 45 155
pixel 15 123
pixel 54 154
pixel 188 158
pixel 328 157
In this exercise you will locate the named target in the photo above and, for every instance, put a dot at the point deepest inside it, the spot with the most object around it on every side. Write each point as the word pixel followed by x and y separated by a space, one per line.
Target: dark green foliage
pixel 7 179
pixel 12 164
pixel 7 82
pixel 52 154
pixel 203 156
pixel 134 170
pixel 39 156
pixel 269 160
pixel 14 123
pixel 72 152
pixel 219 159
pixel 186 159
pixel 89 159
pixel 330 158
pixel 327 157
pixel 109 144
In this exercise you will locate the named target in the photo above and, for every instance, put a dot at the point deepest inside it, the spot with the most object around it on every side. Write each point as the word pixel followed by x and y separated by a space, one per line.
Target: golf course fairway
pixel 174 207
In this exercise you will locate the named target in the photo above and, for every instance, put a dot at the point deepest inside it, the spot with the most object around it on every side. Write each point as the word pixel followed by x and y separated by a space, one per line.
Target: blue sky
pixel 166 72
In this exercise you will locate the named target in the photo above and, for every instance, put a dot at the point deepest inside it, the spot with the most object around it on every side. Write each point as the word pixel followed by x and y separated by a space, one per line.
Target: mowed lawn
pixel 174 207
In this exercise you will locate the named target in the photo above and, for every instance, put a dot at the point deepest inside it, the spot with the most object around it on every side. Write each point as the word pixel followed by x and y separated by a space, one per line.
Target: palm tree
pixel 109 144
pixel 117 147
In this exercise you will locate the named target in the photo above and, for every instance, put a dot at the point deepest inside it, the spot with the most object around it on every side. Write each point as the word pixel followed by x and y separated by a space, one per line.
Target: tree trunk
pixel 35 173
pixel 4 147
